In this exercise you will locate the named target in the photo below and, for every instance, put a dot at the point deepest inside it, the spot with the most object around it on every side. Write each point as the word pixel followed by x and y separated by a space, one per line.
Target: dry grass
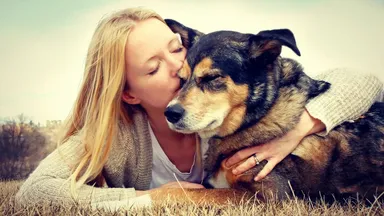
pixel 290 207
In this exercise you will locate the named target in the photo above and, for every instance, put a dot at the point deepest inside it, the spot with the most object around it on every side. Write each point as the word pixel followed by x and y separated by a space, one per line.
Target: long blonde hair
pixel 99 106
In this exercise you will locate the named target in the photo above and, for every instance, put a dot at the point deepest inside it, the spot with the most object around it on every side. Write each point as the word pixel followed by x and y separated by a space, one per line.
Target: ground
pixel 290 207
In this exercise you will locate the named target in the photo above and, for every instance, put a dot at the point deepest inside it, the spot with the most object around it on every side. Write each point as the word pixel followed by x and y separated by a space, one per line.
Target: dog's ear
pixel 188 36
pixel 267 44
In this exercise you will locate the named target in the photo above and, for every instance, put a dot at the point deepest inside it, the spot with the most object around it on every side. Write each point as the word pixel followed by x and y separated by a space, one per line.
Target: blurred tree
pixel 22 146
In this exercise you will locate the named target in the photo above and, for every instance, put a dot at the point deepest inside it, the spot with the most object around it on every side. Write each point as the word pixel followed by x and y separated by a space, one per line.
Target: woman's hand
pixel 277 149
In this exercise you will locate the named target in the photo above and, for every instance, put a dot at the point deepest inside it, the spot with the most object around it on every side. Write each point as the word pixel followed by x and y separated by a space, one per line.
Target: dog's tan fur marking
pixel 201 103
pixel 185 71
pixel 282 111
pixel 203 67
pixel 237 95
pixel 233 120
pixel 314 151
pixel 231 178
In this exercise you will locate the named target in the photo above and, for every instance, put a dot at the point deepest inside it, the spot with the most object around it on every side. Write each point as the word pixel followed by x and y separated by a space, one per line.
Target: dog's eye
pixel 210 78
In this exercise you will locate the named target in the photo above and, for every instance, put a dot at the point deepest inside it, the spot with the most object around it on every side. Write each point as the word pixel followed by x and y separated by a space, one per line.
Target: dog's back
pixel 356 161
pixel 349 160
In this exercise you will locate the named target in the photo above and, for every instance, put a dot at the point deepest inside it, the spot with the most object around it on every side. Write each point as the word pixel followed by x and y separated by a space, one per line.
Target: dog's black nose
pixel 174 113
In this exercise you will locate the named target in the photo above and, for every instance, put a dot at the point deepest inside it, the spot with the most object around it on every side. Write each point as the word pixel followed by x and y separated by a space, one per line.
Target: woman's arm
pixel 351 94
pixel 380 98
pixel 49 183
pixel 276 150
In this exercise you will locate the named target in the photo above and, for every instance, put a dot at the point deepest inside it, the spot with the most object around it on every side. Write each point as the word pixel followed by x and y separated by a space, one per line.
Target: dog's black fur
pixel 349 160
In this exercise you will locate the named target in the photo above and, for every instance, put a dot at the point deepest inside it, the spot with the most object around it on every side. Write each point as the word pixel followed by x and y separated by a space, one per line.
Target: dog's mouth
pixel 183 128
pixel 210 124
pixel 178 126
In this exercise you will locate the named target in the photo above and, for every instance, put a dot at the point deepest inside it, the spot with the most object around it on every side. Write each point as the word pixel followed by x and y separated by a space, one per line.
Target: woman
pixel 117 135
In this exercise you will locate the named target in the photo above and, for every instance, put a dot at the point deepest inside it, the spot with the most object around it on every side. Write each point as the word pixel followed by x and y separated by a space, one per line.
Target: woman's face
pixel 154 55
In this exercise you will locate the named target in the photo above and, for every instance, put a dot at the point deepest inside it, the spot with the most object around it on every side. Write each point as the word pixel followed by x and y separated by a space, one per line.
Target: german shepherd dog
pixel 239 92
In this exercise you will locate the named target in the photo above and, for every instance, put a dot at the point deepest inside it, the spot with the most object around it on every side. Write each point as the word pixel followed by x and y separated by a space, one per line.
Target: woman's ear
pixel 129 98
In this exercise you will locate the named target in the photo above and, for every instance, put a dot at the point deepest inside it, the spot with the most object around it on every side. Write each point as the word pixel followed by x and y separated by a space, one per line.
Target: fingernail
pixel 235 171
pixel 227 163
pixel 256 178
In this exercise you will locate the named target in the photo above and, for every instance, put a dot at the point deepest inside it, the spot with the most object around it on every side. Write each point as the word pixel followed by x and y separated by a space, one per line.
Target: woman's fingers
pixel 248 164
pixel 241 155
pixel 266 170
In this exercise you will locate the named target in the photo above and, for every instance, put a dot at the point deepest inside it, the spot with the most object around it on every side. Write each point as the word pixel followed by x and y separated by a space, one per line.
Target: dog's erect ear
pixel 268 43
pixel 188 36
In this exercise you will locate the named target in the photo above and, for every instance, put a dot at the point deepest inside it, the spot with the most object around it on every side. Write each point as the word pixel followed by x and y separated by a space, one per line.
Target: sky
pixel 43 43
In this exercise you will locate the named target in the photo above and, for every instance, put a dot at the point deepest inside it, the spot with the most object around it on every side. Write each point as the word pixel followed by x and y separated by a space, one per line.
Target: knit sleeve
pixel 350 95
pixel 49 183
pixel 380 98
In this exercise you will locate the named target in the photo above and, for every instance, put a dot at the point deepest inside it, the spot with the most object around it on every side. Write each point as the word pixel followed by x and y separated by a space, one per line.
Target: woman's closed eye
pixel 176 47
pixel 154 71
pixel 179 49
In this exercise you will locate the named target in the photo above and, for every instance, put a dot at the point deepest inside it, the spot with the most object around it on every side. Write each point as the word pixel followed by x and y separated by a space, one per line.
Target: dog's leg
pixel 275 186
pixel 199 197
pixel 216 153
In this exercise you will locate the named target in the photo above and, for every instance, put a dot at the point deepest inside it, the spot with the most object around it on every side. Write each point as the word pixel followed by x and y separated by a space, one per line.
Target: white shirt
pixel 164 171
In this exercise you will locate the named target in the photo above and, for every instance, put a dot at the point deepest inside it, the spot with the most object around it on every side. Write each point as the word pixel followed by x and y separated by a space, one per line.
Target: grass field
pixel 290 207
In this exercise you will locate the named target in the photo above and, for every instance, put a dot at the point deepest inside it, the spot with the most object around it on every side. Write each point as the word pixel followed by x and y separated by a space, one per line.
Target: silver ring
pixel 256 159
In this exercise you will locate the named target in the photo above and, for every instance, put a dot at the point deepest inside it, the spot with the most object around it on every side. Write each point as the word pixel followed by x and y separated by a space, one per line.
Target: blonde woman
pixel 117 138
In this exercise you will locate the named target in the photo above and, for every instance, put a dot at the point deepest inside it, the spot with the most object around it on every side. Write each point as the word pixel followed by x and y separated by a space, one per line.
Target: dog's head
pixel 225 73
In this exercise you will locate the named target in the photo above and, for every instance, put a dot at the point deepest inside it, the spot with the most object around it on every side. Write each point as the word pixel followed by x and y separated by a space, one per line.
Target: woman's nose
pixel 175 64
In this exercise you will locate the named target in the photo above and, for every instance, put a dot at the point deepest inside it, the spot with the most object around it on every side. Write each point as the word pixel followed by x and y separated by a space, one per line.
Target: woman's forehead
pixel 147 39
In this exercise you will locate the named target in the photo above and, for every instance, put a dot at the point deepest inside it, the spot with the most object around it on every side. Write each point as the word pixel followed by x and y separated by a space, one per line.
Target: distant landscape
pixel 23 144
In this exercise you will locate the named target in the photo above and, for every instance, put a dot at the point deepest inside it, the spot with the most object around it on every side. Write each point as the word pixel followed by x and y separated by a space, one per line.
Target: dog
pixel 239 92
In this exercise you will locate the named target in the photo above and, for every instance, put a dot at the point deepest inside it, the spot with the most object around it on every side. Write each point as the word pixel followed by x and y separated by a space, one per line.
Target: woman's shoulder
pixel 133 131
pixel 135 123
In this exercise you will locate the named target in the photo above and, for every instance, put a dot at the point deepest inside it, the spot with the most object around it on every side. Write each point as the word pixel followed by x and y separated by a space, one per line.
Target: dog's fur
pixel 239 92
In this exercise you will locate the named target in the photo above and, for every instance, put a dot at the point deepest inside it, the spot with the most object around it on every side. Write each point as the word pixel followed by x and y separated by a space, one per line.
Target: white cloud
pixel 41 71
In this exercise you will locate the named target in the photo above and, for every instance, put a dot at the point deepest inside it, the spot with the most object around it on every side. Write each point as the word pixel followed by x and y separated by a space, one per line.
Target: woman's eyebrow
pixel 150 59
pixel 175 38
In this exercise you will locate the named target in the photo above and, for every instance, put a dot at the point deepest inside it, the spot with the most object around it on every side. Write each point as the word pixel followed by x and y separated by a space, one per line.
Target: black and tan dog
pixel 239 92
